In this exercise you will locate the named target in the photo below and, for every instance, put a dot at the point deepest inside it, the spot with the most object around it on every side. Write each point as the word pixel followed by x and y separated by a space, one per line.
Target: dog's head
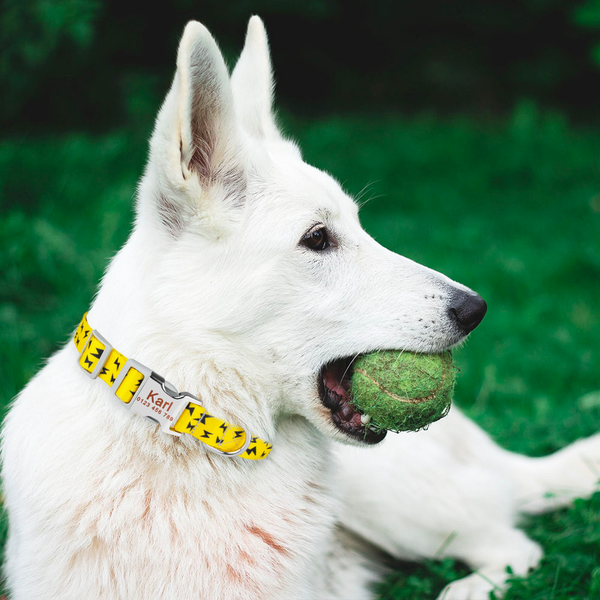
pixel 262 257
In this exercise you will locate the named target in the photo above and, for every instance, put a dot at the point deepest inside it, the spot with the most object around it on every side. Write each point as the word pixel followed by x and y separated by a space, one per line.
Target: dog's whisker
pixel 363 203
pixel 364 190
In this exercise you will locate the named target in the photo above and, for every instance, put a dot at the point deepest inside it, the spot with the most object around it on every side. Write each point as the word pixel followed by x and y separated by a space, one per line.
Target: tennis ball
pixel 403 391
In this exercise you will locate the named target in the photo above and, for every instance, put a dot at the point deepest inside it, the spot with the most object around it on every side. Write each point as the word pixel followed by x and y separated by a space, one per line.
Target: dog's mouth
pixel 334 391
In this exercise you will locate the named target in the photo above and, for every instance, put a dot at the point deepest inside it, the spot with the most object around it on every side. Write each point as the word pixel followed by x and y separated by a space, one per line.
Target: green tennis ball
pixel 403 391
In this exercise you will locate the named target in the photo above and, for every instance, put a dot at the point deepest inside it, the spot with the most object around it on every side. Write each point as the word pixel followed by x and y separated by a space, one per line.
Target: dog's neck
pixel 229 381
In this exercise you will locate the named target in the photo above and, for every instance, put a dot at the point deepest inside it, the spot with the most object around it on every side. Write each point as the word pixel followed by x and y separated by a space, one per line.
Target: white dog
pixel 249 281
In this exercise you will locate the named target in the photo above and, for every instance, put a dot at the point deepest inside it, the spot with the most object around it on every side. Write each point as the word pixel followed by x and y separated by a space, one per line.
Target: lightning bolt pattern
pixel 94 350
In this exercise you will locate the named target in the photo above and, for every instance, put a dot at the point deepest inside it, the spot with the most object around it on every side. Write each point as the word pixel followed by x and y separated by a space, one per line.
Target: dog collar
pixel 147 394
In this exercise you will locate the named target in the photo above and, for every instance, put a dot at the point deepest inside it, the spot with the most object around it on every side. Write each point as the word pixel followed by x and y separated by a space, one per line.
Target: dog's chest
pixel 136 524
pixel 238 532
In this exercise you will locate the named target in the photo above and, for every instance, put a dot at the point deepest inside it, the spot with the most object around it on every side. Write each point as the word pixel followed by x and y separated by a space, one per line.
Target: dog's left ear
pixel 197 167
pixel 252 84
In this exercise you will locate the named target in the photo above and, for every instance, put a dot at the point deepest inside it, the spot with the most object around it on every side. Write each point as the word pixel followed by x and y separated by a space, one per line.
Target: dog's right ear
pixel 197 166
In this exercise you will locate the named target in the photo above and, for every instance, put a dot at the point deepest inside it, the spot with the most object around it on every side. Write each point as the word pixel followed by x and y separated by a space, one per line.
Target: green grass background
pixel 510 208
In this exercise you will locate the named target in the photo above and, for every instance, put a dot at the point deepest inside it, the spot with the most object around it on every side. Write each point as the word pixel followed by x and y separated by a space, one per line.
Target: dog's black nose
pixel 467 309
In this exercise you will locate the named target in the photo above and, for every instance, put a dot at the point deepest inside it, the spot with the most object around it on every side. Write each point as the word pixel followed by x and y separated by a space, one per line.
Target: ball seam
pixel 404 399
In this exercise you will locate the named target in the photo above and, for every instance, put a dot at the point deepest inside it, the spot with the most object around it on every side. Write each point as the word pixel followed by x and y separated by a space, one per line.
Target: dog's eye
pixel 316 239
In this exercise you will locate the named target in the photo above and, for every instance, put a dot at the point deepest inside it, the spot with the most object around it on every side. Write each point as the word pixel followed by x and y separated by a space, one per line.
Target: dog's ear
pixel 207 121
pixel 252 84
pixel 197 166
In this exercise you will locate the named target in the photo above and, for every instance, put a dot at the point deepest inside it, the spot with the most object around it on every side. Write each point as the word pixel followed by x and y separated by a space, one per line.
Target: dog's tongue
pixel 335 382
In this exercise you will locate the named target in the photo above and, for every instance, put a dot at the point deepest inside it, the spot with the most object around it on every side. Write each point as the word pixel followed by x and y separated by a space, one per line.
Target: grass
pixel 511 209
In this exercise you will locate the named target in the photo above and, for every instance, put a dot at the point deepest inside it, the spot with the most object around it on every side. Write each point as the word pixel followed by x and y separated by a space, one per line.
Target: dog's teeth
pixel 364 419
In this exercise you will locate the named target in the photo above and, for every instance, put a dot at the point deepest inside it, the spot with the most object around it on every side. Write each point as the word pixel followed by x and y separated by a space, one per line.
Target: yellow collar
pixel 158 400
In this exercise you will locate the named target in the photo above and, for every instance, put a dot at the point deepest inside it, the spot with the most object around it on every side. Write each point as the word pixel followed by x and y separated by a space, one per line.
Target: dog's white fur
pixel 213 291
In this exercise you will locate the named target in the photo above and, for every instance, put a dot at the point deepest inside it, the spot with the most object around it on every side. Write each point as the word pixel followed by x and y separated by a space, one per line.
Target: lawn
pixel 511 209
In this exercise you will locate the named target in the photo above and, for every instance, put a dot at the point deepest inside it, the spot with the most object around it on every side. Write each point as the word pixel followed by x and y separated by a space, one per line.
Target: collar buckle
pixel 155 399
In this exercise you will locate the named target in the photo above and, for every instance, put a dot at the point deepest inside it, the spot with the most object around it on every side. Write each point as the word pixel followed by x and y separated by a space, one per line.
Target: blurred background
pixel 471 130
